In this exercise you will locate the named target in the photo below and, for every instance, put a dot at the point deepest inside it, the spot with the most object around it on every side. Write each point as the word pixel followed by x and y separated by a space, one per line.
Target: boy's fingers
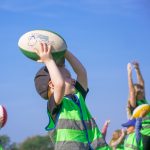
pixel 45 48
pixel 49 47
pixel 42 46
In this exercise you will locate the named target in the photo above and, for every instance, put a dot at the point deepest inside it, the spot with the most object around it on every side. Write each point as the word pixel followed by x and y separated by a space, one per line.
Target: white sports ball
pixel 31 40
pixel 3 116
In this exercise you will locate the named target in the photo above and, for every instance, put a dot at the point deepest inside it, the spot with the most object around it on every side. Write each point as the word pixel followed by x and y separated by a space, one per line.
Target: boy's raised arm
pixel 57 81
pixel 78 69
pixel 131 98
pixel 138 73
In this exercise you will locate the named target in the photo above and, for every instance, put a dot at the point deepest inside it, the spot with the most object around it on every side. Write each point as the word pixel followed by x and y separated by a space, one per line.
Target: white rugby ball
pixel 137 111
pixel 31 40
pixel 3 116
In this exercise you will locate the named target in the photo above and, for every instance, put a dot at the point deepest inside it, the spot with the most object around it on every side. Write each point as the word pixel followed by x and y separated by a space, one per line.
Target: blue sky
pixel 104 34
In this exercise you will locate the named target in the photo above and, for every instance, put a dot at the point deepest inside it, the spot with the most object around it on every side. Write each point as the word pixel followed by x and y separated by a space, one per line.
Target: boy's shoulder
pixel 80 89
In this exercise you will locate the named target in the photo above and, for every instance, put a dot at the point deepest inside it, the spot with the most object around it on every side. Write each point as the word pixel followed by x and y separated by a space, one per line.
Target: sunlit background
pixel 104 34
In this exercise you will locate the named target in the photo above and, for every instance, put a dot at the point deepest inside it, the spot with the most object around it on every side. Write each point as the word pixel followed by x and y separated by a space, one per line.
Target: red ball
pixel 3 116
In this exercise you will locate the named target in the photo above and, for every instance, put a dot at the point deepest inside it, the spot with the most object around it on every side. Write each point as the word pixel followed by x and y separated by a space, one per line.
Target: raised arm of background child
pixel 78 69
pixel 138 73
pixel 132 98
pixel 105 127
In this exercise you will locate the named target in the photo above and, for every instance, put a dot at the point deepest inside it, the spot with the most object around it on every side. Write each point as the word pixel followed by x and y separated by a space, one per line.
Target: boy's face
pixel 130 129
pixel 69 82
pixel 116 135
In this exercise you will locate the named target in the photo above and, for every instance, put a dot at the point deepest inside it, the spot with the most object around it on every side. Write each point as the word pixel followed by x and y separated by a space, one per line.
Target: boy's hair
pixel 41 81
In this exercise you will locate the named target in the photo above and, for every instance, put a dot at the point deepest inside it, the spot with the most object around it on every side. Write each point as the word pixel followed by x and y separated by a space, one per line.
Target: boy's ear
pixel 51 85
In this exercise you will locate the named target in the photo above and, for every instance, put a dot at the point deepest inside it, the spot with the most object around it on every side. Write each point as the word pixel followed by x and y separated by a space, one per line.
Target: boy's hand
pixel 129 67
pixel 135 64
pixel 44 52
pixel 107 122
pixel 66 53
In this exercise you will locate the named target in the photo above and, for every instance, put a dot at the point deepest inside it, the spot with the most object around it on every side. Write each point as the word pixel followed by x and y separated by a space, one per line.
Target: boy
pixel 117 140
pixel 136 98
pixel 135 138
pixel 71 126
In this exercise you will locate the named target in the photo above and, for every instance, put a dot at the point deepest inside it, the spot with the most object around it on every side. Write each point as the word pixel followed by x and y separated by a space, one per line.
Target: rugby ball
pixel 3 116
pixel 137 111
pixel 31 40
